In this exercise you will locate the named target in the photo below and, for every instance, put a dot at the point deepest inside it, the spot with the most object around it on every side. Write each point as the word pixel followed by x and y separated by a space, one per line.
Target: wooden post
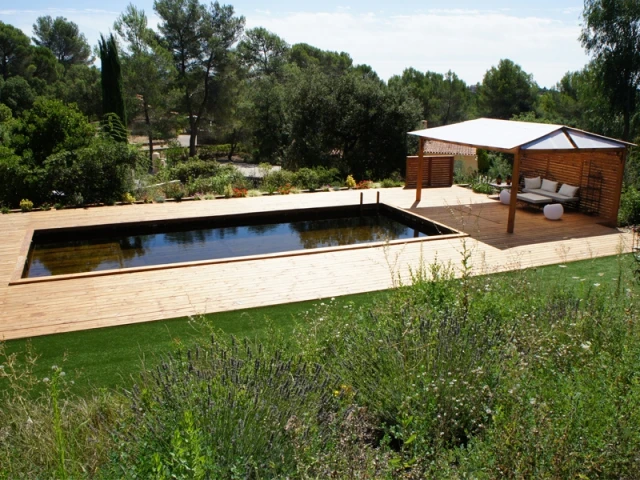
pixel 617 192
pixel 451 171
pixel 419 175
pixel 515 180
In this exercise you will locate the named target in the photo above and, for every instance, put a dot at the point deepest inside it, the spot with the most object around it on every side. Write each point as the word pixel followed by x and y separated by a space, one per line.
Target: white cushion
pixel 530 183
pixel 568 190
pixel 549 186
pixel 553 211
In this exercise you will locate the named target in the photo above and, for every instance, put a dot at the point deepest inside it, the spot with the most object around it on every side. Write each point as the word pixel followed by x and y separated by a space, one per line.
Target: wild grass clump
pixel 423 367
pixel 225 411
pixel 46 432
pixel 492 376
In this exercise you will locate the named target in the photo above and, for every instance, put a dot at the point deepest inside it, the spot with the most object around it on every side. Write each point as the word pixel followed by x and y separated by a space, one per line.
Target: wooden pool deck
pixel 123 298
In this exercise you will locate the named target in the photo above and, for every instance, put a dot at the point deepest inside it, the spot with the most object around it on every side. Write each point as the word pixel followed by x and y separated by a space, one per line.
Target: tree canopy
pixel 506 90
pixel 200 39
pixel 14 50
pixel 148 73
pixel 611 34
pixel 112 90
pixel 444 98
pixel 252 95
pixel 63 38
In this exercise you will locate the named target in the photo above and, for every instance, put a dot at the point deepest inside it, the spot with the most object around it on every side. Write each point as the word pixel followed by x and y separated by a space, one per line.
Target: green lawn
pixel 109 357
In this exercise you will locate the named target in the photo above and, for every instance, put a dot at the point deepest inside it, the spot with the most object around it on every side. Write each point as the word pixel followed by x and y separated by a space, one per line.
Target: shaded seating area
pixel 573 167
pixel 549 189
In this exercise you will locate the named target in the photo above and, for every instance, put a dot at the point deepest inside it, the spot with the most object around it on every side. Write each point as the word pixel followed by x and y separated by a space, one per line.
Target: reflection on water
pixel 349 231
pixel 124 251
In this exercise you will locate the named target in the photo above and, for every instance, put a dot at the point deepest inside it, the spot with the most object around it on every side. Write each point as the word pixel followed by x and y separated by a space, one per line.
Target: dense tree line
pixel 202 73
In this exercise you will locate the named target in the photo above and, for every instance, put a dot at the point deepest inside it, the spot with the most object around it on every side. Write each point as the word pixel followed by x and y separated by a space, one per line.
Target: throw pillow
pixel 549 186
pixel 568 190
pixel 532 183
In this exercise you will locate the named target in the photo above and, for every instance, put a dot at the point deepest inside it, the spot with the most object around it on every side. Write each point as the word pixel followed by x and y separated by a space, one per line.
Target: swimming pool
pixel 175 242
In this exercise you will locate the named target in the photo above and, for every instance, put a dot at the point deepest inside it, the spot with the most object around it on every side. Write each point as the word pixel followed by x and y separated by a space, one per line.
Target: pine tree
pixel 112 89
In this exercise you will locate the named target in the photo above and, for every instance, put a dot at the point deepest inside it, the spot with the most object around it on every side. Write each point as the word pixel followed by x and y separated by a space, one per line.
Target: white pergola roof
pixel 495 134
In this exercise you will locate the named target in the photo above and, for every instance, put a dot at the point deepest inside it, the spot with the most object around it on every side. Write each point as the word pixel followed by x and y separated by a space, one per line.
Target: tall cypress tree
pixel 112 89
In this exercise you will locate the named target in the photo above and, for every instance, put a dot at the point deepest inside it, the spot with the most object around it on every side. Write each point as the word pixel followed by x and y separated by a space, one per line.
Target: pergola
pixel 592 162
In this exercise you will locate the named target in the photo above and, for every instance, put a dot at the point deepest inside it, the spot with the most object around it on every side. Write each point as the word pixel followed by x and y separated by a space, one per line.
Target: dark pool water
pixel 84 251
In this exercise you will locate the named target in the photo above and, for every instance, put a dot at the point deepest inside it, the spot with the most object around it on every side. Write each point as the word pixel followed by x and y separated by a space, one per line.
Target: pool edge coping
pixel 16 277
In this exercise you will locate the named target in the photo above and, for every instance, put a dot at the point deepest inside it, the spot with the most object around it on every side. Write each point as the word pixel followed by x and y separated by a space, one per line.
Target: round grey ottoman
pixel 553 211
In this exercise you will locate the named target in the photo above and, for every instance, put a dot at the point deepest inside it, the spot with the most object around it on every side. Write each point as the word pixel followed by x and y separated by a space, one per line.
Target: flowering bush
pixel 364 185
pixel 26 205
pixel 285 189
pixel 351 183
pixel 128 198
pixel 239 192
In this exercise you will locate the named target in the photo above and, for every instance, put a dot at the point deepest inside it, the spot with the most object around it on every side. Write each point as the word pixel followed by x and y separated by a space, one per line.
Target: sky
pixel 465 36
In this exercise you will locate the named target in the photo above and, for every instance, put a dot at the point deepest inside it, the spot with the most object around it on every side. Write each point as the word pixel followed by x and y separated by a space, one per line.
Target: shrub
pixel 351 183
pixel 239 192
pixel 254 193
pixel 228 175
pixel 285 189
pixel 176 154
pixel 199 185
pixel 484 160
pixel 45 207
pixel 16 178
pixel 481 187
pixel 629 213
pixel 276 179
pixel 112 126
pixel 462 174
pixel 212 152
pixel 500 167
pixel 5 210
pixel 308 179
pixel 101 172
pixel 390 183
pixel 364 185
pixel 193 169
pixel 174 190
pixel 128 198
pixel 327 176
pixel 228 191
pixel 26 205
pixel 51 127
pixel 225 411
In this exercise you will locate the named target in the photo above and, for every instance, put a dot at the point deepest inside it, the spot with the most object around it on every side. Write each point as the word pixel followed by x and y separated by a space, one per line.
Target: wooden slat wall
pixel 574 168
pixel 437 171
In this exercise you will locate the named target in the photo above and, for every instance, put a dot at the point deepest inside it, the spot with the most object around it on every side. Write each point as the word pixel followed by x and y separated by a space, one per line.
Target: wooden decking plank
pixel 96 302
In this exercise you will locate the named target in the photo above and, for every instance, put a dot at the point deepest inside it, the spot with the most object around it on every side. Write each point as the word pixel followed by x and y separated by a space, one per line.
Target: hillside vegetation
pixel 496 376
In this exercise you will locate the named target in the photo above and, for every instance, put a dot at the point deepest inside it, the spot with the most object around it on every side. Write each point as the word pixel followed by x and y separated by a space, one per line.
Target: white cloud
pixel 467 42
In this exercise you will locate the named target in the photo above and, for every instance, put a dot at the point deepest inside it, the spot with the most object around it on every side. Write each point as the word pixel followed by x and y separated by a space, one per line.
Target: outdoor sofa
pixel 548 188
